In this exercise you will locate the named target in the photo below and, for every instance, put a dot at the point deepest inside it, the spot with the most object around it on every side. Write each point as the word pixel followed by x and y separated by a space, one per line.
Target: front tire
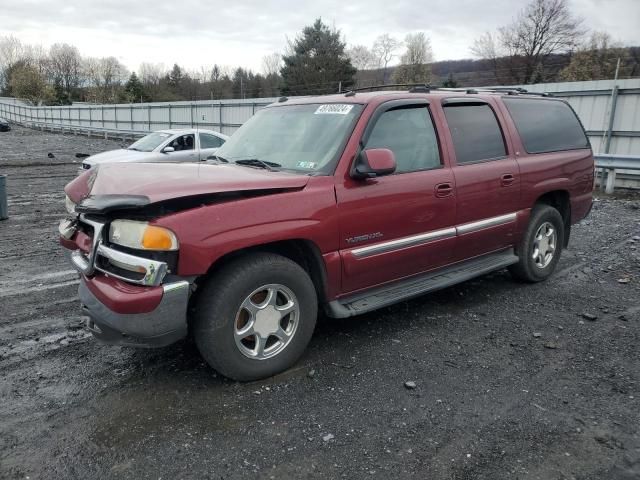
pixel 540 248
pixel 255 317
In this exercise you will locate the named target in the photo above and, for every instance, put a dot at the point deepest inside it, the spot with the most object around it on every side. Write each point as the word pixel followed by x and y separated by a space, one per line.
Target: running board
pixel 418 285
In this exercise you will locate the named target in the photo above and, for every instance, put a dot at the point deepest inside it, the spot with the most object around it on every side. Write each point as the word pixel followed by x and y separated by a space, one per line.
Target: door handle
pixel 443 190
pixel 507 179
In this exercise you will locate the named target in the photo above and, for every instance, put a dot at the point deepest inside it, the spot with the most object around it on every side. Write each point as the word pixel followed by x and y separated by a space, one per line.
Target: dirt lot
pixel 512 380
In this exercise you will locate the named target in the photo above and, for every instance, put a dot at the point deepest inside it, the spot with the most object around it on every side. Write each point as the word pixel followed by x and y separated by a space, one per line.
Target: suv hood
pixel 134 185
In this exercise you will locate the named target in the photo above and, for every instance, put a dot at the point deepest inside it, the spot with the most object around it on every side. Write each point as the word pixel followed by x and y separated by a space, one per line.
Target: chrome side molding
pixel 424 238
pixel 404 242
pixel 486 223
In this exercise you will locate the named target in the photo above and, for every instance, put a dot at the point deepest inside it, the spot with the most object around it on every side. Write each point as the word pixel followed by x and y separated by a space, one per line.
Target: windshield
pixel 150 142
pixel 305 138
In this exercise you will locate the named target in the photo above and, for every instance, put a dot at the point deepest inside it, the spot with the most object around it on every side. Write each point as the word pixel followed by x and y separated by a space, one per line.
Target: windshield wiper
pixel 217 158
pixel 136 149
pixel 256 162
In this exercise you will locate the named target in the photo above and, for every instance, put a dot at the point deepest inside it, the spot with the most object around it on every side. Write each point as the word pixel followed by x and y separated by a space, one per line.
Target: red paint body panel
pixel 481 194
pixel 394 206
pixel 169 181
pixel 207 233
pixel 122 297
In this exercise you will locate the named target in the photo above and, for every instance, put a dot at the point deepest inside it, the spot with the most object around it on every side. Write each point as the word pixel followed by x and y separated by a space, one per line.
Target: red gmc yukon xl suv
pixel 346 202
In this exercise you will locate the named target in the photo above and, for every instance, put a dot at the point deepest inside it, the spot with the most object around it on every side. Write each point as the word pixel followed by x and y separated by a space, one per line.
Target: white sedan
pixel 176 145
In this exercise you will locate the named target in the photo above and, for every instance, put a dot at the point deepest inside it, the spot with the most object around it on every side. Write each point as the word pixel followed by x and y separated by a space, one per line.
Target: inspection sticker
pixel 334 109
pixel 306 164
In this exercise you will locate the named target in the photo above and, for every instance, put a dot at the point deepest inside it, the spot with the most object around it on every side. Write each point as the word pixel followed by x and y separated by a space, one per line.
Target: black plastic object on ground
pixel 4 212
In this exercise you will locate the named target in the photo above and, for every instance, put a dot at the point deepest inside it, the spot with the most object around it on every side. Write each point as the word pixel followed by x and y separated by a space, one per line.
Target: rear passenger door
pixel 400 224
pixel 486 174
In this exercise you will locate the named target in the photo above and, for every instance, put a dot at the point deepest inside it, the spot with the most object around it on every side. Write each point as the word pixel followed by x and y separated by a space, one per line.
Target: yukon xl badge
pixel 364 238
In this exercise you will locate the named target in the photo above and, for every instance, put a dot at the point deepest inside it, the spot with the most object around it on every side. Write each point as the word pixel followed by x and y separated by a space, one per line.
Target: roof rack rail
pixel 412 87
pixel 512 91
pixel 426 88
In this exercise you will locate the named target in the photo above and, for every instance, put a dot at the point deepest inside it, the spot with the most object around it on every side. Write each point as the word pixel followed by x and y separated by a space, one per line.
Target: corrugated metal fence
pixel 131 118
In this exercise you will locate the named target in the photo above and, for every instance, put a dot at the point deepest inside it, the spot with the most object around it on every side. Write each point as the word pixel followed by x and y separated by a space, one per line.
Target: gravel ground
pixel 511 380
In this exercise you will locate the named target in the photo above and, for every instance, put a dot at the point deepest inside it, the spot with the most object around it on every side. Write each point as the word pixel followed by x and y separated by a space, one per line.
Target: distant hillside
pixel 470 72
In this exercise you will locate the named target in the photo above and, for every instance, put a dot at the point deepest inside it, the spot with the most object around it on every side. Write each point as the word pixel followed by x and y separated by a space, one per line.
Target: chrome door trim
pixel 486 223
pixel 423 238
pixel 404 242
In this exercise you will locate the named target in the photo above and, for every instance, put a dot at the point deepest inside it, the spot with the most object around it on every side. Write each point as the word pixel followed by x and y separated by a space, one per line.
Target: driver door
pixel 185 150
pixel 402 224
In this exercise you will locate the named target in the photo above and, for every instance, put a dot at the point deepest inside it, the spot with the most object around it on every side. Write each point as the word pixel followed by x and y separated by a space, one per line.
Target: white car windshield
pixel 305 138
pixel 150 142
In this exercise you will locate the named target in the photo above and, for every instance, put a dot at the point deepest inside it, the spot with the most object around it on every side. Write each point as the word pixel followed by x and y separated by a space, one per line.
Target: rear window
pixel 546 125
pixel 475 132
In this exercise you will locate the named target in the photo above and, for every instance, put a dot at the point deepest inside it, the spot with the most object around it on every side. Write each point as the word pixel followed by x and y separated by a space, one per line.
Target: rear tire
pixel 255 317
pixel 540 247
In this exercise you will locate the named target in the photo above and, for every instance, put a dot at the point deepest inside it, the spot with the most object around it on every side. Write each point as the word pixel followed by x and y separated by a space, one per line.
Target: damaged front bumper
pixel 135 303
pixel 114 316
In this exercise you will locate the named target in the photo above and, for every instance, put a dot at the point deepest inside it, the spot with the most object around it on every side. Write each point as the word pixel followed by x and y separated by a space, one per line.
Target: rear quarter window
pixel 546 125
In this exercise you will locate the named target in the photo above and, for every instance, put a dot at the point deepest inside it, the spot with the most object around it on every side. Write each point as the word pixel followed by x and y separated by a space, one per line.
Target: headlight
pixel 71 207
pixel 142 236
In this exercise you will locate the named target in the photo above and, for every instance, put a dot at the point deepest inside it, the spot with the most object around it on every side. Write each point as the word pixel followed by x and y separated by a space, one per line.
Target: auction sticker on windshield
pixel 334 109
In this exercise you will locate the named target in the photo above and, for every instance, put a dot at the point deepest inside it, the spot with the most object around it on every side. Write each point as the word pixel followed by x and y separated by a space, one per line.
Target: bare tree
pixel 11 53
pixel 414 62
pixel 38 58
pixel 541 29
pixel 362 57
pixel 486 47
pixel 385 48
pixel 596 59
pixel 105 75
pixel 65 65
pixel 151 73
pixel 271 64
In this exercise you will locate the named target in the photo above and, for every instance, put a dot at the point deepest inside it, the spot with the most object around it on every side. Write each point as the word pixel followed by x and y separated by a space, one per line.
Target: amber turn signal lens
pixel 157 238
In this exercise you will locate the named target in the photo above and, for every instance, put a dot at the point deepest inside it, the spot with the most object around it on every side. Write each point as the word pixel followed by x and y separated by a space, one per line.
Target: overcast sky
pixel 194 33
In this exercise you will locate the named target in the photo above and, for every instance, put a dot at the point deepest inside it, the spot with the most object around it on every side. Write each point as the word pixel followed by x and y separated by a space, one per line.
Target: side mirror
pixel 168 150
pixel 374 162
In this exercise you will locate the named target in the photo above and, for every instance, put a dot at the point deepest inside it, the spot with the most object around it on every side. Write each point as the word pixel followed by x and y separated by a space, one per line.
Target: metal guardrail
pixel 86 130
pixel 610 164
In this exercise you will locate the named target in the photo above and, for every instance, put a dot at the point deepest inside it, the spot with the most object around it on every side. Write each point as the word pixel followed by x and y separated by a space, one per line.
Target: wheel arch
pixel 560 200
pixel 302 251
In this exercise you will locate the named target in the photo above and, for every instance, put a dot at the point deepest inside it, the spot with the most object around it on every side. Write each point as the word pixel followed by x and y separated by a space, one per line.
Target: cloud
pixel 194 33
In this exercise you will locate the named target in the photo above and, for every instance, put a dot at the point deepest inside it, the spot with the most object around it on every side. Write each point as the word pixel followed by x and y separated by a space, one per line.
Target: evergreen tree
pixel 134 90
pixel 317 62
pixel 175 76
pixel 450 82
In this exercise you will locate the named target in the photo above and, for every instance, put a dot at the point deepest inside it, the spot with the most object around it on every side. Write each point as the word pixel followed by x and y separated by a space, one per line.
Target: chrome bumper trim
pixel 154 271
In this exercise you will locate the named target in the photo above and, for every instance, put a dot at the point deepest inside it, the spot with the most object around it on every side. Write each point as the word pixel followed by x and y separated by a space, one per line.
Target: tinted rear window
pixel 546 125
pixel 475 132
